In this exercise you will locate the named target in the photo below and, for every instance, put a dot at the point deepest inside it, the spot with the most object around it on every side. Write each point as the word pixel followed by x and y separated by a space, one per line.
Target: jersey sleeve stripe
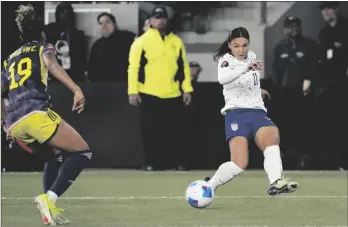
pixel 43 69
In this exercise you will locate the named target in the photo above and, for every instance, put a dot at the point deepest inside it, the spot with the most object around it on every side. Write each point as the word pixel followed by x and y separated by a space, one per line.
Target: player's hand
pixel 8 136
pixel 259 65
pixel 265 94
pixel 187 98
pixel 79 101
pixel 252 66
pixel 134 99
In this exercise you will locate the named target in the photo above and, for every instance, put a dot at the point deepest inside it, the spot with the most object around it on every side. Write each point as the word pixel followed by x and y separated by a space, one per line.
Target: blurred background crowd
pixel 304 46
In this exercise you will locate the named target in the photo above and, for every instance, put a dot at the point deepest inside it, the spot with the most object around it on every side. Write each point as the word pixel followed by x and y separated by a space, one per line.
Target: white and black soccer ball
pixel 199 194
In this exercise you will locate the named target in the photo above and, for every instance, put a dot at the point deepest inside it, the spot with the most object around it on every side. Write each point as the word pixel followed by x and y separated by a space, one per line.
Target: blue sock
pixel 50 172
pixel 69 171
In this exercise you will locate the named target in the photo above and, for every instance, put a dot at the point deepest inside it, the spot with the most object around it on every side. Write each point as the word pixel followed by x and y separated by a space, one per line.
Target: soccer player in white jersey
pixel 245 114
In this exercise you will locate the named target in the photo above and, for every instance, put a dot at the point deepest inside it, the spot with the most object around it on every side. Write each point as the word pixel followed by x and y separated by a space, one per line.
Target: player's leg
pixel 239 161
pixel 51 169
pixel 48 127
pixel 77 157
pixel 267 139
pixel 237 133
pixel 68 139
pixel 50 174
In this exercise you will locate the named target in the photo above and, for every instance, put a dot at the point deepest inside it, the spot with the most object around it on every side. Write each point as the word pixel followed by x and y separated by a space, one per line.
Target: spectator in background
pixel 109 55
pixel 293 69
pixel 158 70
pixel 333 68
pixel 70 43
pixel 196 69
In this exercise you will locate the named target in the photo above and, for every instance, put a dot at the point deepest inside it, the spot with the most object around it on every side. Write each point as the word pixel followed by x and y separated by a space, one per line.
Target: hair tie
pixel 229 34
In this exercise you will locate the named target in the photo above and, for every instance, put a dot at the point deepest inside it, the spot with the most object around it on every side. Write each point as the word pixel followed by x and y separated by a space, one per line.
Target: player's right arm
pixel 229 71
pixel 59 73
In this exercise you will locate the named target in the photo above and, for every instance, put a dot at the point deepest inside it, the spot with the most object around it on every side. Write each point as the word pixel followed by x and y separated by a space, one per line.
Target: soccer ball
pixel 199 194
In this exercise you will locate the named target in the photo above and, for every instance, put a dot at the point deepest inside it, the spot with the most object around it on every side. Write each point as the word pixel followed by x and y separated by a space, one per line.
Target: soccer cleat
pixel 207 179
pixel 42 204
pixel 56 214
pixel 282 186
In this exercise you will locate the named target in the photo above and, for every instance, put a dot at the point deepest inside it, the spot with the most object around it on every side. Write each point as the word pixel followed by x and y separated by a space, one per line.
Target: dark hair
pixel 30 26
pixel 65 6
pixel 235 33
pixel 112 17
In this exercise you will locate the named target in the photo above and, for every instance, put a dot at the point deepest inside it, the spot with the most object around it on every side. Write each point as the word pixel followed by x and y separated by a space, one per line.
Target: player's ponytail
pixel 224 48
pixel 29 25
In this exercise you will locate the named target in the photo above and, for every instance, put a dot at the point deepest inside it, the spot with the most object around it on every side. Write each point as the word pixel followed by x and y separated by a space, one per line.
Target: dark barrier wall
pixel 111 127
pixel 109 124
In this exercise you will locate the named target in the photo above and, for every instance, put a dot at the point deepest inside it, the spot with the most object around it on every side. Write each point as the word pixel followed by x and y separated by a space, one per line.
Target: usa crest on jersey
pixel 234 127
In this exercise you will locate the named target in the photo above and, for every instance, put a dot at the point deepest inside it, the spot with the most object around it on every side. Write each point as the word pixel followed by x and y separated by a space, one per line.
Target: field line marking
pixel 132 171
pixel 182 197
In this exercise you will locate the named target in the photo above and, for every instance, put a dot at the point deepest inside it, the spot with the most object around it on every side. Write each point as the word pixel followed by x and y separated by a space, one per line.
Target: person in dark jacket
pixel 294 69
pixel 69 42
pixel 109 56
pixel 333 68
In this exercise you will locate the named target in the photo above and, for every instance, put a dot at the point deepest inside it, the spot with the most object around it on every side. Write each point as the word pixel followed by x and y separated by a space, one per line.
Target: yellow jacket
pixel 157 67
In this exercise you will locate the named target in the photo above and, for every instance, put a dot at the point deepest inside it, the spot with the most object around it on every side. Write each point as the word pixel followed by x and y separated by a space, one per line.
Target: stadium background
pixel 111 125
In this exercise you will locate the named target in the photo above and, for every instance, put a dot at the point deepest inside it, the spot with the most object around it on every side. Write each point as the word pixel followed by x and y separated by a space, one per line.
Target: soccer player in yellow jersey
pixel 29 116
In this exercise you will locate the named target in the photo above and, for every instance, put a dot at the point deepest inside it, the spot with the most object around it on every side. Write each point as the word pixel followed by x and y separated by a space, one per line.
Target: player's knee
pixel 85 153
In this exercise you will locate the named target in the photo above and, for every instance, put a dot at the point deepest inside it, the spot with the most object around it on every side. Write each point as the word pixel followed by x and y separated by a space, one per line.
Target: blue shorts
pixel 245 122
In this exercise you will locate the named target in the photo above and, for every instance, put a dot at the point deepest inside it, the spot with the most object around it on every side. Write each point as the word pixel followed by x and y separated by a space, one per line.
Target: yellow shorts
pixel 40 126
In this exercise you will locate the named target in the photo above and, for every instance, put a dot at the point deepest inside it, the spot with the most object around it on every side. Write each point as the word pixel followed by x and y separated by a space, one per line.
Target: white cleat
pixel 42 204
pixel 57 216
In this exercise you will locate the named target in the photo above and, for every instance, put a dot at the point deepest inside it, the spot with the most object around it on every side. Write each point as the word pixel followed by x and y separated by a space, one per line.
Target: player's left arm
pixel 186 84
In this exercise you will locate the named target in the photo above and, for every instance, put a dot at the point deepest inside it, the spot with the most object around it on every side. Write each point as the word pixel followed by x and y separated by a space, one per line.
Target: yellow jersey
pixel 158 66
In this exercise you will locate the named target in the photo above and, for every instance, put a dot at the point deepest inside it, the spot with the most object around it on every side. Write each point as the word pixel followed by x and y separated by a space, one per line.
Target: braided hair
pixel 29 25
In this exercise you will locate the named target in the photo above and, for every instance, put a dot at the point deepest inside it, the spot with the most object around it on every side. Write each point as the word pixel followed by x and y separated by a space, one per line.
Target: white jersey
pixel 241 86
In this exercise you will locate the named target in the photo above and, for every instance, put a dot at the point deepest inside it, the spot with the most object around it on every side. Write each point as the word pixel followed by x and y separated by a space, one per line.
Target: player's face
pixel 107 27
pixel 239 47
pixel 159 23
pixel 329 14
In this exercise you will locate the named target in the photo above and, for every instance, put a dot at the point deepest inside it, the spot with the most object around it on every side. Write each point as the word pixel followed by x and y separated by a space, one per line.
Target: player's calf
pixel 50 172
pixel 226 172
pixel 69 171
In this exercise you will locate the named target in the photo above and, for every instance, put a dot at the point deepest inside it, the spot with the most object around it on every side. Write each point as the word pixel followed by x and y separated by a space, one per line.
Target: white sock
pixel 52 196
pixel 273 163
pixel 226 172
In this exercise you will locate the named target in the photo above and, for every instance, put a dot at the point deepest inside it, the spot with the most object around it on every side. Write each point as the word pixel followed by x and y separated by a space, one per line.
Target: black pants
pixel 293 115
pixel 162 131
pixel 333 125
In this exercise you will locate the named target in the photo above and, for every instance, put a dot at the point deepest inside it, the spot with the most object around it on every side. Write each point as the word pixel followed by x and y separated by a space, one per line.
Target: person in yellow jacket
pixel 159 81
